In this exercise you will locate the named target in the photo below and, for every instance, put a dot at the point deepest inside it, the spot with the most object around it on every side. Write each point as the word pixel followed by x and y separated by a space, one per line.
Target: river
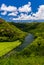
pixel 28 39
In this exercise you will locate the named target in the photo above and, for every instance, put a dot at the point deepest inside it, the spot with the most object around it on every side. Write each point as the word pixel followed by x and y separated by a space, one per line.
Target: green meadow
pixel 5 47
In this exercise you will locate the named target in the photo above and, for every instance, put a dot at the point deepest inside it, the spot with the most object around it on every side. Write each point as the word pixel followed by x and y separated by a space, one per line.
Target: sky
pixel 12 10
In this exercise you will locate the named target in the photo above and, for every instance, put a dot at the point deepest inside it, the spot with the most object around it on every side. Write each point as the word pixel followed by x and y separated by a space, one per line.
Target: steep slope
pixel 10 32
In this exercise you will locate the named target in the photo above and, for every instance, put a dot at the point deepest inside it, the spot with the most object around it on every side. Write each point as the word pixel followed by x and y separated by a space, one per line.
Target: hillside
pixel 10 32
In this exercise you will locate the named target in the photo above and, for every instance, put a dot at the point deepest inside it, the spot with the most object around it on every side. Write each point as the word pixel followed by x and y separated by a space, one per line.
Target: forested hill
pixel 27 27
pixel 9 32
pixel 36 28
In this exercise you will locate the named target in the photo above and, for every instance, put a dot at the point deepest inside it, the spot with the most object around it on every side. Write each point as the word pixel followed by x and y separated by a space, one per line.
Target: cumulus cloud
pixel 8 8
pixel 40 13
pixel 23 16
pixel 24 12
pixel 26 8
pixel 13 14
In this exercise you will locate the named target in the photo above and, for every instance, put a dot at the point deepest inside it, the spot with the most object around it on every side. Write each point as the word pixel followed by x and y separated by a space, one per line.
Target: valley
pixel 21 43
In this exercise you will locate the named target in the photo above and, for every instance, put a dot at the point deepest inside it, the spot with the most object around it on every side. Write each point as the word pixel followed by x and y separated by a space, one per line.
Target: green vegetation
pixel 9 32
pixel 34 27
pixel 13 60
pixel 33 54
pixel 5 47
pixel 36 48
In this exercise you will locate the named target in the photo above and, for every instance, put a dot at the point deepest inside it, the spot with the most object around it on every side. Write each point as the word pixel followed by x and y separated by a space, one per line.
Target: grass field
pixel 5 47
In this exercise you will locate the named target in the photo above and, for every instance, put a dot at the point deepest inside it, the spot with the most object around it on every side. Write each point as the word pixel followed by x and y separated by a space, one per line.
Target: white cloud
pixel 13 14
pixel 26 8
pixel 3 13
pixel 13 11
pixel 8 8
pixel 40 13
pixel 23 17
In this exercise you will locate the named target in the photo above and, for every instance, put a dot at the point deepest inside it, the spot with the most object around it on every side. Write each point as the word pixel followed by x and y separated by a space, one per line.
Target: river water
pixel 28 39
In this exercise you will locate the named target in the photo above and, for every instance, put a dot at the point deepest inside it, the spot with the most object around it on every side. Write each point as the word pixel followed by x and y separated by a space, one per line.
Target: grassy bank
pixel 5 47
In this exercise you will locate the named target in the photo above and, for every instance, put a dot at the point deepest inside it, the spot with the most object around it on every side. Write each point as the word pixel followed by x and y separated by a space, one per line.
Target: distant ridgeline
pixel 9 32
pixel 35 28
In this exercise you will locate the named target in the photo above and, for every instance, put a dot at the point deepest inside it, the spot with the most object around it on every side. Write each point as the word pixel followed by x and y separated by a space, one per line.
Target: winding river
pixel 28 39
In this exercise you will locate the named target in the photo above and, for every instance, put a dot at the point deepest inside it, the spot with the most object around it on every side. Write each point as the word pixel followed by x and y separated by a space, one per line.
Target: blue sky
pixel 21 9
